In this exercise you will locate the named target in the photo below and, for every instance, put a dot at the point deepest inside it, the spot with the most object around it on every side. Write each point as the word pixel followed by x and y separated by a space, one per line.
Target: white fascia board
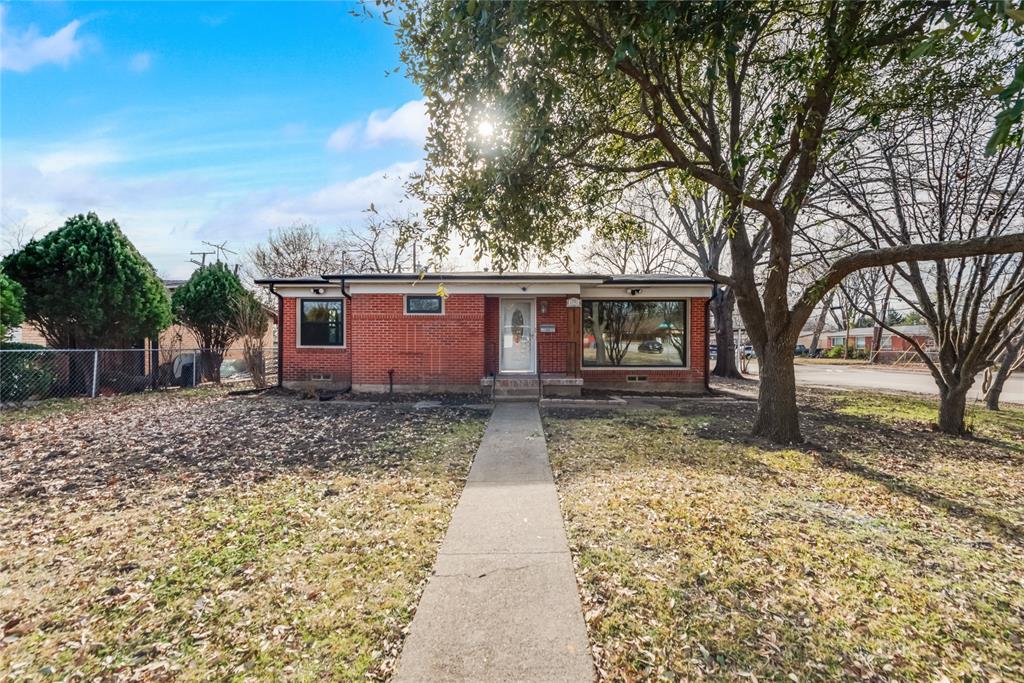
pixel 524 288
pixel 643 291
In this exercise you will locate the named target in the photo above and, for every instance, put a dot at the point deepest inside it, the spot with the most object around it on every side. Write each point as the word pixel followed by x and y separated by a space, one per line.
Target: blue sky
pixel 197 121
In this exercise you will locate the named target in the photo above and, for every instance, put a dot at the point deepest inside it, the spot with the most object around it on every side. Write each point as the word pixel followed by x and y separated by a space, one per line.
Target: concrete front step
pixel 524 387
pixel 516 388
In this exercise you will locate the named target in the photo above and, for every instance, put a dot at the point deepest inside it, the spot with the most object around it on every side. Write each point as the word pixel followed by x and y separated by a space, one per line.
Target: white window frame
pixel 298 324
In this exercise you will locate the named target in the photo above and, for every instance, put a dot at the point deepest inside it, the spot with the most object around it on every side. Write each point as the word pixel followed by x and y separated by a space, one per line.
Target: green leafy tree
pixel 11 312
pixel 542 111
pixel 87 286
pixel 206 305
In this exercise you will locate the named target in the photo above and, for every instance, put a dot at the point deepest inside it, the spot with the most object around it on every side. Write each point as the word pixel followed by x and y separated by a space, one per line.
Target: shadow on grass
pixel 1003 527
pixel 871 448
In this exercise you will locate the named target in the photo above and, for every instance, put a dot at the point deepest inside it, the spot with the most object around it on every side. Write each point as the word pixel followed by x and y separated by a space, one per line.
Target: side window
pixel 321 322
pixel 424 305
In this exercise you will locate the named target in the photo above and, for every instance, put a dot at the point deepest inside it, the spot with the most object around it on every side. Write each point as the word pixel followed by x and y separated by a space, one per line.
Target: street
pixel 883 377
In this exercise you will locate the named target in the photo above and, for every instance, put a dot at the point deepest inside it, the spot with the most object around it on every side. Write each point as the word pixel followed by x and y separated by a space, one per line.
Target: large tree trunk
pixel 953 407
pixel 722 306
pixel 777 416
pixel 1003 373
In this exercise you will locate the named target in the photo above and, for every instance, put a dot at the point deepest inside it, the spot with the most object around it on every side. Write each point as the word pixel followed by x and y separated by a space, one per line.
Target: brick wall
pixel 457 349
pixel 689 380
pixel 304 364
pixel 552 346
pixel 423 350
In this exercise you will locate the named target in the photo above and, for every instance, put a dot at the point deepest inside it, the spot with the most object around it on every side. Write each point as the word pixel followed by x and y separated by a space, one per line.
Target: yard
pixel 883 551
pixel 204 536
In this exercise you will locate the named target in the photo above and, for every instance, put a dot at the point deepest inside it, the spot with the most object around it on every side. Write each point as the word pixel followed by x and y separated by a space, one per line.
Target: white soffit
pixel 645 291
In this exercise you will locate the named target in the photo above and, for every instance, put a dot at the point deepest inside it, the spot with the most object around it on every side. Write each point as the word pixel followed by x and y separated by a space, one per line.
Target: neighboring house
pixel 863 338
pixel 463 331
pixel 180 337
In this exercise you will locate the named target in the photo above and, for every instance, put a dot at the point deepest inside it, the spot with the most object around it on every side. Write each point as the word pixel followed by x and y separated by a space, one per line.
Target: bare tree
pixel 635 249
pixel 297 251
pixel 696 224
pixel 1012 360
pixel 865 293
pixel 927 179
pixel 819 324
pixel 250 320
pixel 385 244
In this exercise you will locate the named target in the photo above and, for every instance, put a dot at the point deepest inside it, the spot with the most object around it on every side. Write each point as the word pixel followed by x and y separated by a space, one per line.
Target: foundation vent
pixel 636 378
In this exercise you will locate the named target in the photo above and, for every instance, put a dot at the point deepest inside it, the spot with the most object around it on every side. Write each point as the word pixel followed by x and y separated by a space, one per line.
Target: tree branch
pixel 874 258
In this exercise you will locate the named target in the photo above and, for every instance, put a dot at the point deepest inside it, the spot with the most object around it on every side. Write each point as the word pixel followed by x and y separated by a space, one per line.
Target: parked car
pixel 713 351
pixel 800 350
pixel 748 351
pixel 650 346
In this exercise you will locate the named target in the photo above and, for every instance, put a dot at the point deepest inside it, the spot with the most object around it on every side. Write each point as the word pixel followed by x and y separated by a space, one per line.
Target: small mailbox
pixel 547 327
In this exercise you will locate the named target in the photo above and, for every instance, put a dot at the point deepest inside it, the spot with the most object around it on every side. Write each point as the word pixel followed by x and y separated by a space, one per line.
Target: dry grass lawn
pixel 200 536
pixel 884 551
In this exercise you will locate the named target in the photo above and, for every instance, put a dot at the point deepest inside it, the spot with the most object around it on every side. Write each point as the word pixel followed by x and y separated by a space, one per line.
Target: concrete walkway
pixel 502 603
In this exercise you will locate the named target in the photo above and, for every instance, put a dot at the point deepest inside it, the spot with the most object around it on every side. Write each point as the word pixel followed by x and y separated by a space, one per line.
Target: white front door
pixel 517 348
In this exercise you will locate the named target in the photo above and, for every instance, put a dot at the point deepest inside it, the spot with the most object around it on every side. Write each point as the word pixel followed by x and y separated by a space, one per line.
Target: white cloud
pixel 24 51
pixel 69 158
pixel 344 137
pixel 338 204
pixel 167 214
pixel 140 61
pixel 408 123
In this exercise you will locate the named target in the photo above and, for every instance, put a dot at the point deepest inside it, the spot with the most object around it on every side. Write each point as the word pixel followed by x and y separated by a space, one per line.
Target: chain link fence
pixel 35 374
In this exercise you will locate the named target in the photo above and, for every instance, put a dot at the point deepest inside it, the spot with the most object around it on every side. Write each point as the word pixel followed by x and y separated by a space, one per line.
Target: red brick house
pixel 515 333
pixel 864 338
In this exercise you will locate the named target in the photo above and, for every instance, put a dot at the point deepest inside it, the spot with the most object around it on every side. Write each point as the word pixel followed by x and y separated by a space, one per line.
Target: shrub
pixel 11 296
pixel 205 305
pixel 86 286
pixel 25 374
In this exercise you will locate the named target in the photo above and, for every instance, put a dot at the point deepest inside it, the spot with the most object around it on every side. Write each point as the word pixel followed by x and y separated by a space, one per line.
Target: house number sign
pixel 547 327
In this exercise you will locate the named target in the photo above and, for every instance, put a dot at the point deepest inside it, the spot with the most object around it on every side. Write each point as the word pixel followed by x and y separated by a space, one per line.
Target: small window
pixel 424 305
pixel 321 322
